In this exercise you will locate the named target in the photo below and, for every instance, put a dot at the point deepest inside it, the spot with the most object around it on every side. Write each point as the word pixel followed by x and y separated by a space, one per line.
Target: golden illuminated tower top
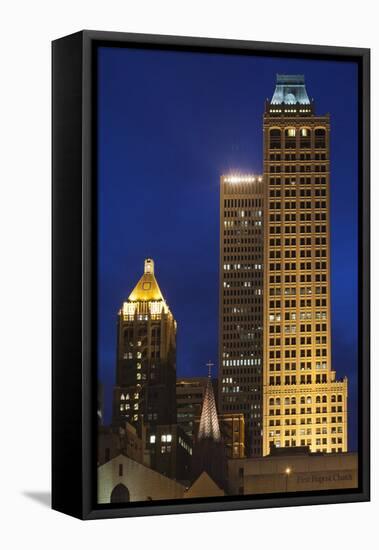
pixel 147 287
pixel 146 297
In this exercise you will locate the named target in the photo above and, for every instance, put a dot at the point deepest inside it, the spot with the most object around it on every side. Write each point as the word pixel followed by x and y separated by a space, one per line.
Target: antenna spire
pixel 210 365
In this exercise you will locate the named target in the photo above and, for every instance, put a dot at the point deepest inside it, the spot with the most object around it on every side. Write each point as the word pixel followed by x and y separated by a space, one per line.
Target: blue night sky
pixel 170 123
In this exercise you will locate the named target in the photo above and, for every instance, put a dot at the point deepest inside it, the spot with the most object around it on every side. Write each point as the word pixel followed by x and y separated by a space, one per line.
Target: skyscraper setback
pixel 275 325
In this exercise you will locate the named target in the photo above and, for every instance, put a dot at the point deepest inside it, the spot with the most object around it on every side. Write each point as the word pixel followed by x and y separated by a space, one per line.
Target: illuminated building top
pixel 290 90
pixel 146 295
pixel 241 178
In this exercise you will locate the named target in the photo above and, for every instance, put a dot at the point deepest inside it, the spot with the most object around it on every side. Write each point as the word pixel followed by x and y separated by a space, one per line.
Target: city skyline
pixel 175 273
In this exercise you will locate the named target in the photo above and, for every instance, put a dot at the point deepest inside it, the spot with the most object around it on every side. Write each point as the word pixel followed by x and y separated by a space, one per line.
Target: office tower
pixel 304 403
pixel 146 357
pixel 241 303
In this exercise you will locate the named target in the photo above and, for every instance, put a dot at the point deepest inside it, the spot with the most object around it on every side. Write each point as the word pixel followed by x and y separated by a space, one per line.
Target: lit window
pixel 168 438
pixel 152 439
pixel 291 132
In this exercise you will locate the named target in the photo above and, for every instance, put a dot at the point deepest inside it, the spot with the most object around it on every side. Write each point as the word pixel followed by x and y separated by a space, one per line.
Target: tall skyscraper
pixel 304 403
pixel 146 357
pixel 241 303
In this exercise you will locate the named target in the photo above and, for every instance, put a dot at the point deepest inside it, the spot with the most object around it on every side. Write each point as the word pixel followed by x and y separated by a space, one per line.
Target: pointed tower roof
pixel 290 89
pixel 147 288
pixel 209 427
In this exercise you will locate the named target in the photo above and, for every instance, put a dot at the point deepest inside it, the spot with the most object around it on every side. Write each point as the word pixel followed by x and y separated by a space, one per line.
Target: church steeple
pixel 209 427
pixel 209 454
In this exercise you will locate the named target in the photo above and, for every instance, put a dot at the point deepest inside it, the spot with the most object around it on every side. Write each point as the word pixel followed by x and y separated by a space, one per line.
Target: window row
pixel 292 380
pixel 277 304
pixel 297 180
pixel 278 157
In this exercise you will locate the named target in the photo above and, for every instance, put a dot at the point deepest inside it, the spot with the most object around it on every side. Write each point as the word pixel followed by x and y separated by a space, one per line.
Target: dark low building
pixel 115 440
pixel 170 450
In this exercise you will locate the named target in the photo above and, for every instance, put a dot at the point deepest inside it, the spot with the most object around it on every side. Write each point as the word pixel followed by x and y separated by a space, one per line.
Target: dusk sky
pixel 170 123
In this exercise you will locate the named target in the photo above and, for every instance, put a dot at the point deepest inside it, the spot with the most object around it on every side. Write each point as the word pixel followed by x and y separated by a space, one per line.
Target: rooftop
pixel 147 288
pixel 290 90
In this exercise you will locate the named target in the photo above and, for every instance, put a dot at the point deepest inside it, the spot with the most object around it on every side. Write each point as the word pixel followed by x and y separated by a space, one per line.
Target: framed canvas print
pixel 210 275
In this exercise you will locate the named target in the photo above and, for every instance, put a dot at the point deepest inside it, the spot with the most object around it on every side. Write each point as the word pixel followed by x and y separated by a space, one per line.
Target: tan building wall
pixel 232 428
pixel 303 403
pixel 304 473
pixel 141 482
pixel 204 487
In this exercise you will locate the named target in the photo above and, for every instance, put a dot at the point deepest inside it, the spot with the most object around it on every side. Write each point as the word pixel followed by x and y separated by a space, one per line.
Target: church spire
pixel 209 427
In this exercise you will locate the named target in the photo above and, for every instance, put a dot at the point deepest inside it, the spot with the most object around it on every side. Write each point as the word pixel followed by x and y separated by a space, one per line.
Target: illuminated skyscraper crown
pixel 146 295
pixel 290 89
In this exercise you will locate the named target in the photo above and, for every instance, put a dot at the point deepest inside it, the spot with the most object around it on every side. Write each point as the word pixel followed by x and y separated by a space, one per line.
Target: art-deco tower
pixel 241 303
pixel 146 356
pixel 303 402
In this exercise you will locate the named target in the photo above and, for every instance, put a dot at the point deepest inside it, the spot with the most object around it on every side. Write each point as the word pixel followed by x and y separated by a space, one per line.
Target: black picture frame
pixel 74 273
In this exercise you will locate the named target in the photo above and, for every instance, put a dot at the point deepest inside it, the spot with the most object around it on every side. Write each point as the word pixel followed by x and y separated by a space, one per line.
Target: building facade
pixel 145 390
pixel 170 451
pixel 241 303
pixel 122 480
pixel 189 400
pixel 232 427
pixel 115 440
pixel 294 470
pixel 303 402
